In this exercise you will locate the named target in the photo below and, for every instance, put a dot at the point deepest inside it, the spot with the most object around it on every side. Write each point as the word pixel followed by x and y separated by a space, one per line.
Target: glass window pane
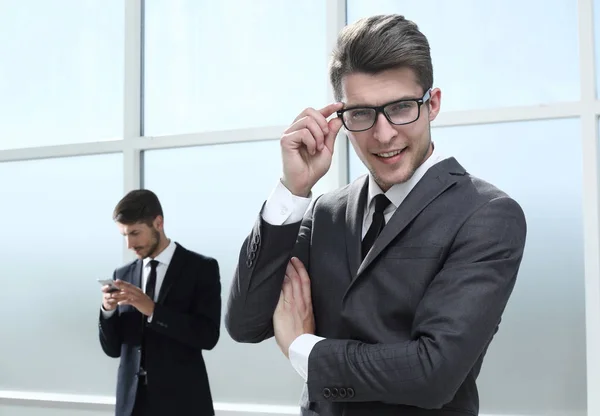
pixel 58 238
pixel 61 76
pixel 597 44
pixel 215 65
pixel 212 214
pixel 494 54
pixel 532 162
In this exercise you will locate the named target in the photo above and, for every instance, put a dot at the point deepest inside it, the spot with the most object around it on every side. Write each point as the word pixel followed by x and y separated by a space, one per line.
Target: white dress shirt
pixel 282 207
pixel 164 259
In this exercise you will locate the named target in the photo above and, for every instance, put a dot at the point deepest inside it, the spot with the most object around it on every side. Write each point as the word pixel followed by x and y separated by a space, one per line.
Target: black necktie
pixel 381 202
pixel 150 288
pixel 151 283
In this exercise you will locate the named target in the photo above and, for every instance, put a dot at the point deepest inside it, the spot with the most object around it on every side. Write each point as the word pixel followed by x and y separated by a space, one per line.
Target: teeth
pixel 389 154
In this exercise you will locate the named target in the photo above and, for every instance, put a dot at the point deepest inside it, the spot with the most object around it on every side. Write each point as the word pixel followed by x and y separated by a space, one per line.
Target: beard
pixel 155 242
pixel 152 247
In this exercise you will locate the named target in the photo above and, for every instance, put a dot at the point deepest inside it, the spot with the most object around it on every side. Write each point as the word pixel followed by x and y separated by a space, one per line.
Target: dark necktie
pixel 381 202
pixel 150 288
pixel 151 283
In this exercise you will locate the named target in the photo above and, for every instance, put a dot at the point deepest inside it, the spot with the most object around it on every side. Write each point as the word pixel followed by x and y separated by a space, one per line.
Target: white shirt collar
pixel 399 191
pixel 165 256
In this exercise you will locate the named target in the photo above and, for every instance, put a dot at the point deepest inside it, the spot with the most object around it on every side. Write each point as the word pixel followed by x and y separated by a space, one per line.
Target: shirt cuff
pixel 107 314
pixel 150 318
pixel 300 351
pixel 283 207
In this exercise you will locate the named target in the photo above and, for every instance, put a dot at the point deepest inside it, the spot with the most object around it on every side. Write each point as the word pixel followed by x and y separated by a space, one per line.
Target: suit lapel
pixel 173 272
pixel 357 196
pixel 437 179
pixel 136 278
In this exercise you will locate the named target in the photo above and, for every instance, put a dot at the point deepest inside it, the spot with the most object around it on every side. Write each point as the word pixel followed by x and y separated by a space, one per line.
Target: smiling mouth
pixel 387 155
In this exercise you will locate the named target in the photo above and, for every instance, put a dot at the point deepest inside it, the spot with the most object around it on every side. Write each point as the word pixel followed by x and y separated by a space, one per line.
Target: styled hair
pixel 138 206
pixel 379 43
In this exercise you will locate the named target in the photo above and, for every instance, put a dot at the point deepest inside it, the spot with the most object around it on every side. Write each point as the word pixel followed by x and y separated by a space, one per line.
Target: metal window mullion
pixel 335 20
pixel 132 102
pixel 445 119
pixel 591 211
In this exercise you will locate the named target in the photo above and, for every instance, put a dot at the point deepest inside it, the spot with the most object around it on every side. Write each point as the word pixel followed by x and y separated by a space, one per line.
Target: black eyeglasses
pixel 397 112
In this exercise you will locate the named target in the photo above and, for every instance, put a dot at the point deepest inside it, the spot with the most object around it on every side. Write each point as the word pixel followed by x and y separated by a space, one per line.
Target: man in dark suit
pixel 167 310
pixel 386 293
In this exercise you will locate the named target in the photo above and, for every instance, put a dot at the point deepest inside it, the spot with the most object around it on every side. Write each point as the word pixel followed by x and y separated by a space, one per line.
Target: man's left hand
pixel 133 295
pixel 294 314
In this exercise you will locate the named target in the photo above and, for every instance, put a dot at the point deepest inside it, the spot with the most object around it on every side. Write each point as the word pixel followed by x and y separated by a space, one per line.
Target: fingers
pixel 120 296
pixel 128 300
pixel 330 109
pixel 310 128
pixel 123 285
pixel 128 289
pixel 321 114
pixel 296 288
pixel 280 301
pixel 300 137
pixel 297 275
pixel 108 296
pixel 108 289
pixel 303 281
pixel 316 116
pixel 335 124
pixel 287 292
pixel 123 297
pixel 109 303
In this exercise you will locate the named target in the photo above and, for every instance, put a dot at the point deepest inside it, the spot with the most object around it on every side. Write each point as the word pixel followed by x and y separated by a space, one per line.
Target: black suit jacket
pixel 186 320
pixel 406 328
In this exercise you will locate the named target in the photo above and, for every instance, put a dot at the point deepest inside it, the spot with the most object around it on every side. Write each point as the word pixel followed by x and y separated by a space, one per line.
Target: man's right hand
pixel 307 148
pixel 108 303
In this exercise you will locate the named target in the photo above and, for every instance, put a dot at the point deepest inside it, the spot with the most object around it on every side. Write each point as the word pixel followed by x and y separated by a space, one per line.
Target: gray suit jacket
pixel 408 327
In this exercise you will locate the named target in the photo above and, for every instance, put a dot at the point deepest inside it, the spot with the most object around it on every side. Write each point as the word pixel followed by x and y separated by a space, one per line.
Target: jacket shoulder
pixel 338 196
pixel 126 268
pixel 481 191
pixel 196 257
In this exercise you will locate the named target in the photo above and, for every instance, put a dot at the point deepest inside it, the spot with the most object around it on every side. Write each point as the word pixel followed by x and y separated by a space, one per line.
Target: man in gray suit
pixel 384 294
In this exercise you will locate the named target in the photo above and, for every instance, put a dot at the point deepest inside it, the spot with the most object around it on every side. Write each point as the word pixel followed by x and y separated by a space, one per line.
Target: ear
pixel 435 102
pixel 158 222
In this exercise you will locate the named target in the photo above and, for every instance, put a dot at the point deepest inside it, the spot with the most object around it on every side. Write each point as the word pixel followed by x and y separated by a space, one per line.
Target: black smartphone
pixel 109 282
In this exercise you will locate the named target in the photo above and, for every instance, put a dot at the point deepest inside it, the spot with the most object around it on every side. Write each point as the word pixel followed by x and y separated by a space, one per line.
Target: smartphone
pixel 109 282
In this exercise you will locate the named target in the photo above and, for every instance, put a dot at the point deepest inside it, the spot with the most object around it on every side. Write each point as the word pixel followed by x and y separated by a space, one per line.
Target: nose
pixel 129 242
pixel 383 131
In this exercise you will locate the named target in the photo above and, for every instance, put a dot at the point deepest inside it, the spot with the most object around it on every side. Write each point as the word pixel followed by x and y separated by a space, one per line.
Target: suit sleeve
pixel 201 328
pixel 110 332
pixel 259 276
pixel 453 324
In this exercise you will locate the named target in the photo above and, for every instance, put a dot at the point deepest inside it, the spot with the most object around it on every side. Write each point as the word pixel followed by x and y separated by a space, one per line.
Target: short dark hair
pixel 138 206
pixel 379 43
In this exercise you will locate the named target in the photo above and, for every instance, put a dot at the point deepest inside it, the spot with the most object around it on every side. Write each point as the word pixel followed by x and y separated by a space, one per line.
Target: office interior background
pixel 188 98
